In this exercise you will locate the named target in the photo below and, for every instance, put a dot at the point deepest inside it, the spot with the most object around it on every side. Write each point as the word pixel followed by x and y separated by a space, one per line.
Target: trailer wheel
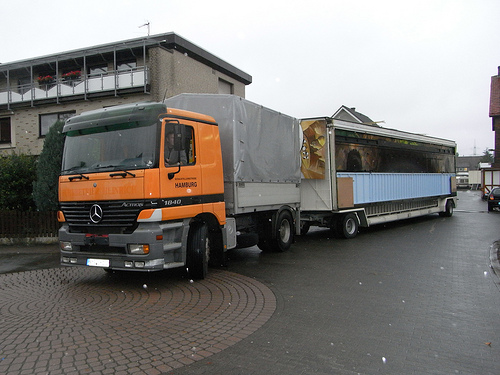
pixel 198 251
pixel 448 210
pixel 348 225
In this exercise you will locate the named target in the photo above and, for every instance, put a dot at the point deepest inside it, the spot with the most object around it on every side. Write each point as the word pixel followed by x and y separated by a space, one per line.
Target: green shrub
pixel 17 174
pixel 45 191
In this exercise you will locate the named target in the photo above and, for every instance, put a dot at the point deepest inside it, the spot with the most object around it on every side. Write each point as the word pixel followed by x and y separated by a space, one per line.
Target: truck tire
pixel 284 231
pixel 448 210
pixel 282 238
pixel 348 225
pixel 198 251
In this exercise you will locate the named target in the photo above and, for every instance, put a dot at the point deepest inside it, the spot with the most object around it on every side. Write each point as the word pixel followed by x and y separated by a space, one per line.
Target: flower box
pixel 75 74
pixel 44 80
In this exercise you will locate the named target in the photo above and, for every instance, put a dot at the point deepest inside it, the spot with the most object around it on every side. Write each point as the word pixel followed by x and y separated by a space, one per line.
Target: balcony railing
pixel 84 85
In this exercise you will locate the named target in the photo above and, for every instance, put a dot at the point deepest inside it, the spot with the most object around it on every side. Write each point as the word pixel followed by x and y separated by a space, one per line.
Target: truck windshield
pixel 118 147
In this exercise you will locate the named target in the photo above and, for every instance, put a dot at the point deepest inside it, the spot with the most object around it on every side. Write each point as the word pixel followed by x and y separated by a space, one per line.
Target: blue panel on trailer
pixel 383 187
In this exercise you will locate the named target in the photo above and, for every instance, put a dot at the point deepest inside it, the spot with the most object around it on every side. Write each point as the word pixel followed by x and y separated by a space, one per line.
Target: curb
pixel 495 258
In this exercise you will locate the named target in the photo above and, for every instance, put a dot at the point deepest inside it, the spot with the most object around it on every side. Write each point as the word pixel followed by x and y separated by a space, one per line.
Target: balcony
pixel 136 79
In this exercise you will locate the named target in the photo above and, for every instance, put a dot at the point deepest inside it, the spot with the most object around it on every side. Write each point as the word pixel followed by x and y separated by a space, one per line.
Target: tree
pixel 487 157
pixel 17 173
pixel 45 189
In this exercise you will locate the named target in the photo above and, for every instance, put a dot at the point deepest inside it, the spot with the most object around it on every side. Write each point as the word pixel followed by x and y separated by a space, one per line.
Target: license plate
pixel 98 262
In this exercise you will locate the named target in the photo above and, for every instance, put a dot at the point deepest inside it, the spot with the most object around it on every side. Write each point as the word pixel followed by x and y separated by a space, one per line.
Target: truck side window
pixel 184 155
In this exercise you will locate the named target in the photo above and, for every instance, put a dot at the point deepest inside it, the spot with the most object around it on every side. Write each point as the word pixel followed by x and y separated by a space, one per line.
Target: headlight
pixel 138 249
pixel 65 245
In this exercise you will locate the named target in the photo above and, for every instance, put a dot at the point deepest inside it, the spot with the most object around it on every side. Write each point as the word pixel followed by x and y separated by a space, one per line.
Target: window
pixel 47 120
pixel 225 87
pixel 114 147
pixel 98 70
pixel 130 65
pixel 182 153
pixel 5 130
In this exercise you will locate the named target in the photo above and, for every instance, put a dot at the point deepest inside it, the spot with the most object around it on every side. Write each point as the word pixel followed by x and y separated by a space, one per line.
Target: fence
pixel 28 225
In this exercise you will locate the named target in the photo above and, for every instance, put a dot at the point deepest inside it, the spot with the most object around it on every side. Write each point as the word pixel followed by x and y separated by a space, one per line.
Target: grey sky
pixel 420 66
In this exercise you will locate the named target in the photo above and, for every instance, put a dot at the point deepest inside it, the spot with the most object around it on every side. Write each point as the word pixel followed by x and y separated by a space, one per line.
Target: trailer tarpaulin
pixel 258 144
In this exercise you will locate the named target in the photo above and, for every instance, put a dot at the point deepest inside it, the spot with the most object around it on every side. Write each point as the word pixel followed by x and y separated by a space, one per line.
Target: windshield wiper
pixel 123 174
pixel 79 177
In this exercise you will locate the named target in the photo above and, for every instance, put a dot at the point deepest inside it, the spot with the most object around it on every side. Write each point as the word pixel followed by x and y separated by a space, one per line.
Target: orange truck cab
pixel 143 188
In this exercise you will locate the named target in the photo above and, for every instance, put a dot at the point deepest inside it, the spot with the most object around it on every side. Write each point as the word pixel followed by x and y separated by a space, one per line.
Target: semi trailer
pixel 152 186
pixel 356 175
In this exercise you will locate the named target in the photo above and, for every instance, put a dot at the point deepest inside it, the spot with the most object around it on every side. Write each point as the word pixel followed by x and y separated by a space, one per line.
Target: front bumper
pixel 166 242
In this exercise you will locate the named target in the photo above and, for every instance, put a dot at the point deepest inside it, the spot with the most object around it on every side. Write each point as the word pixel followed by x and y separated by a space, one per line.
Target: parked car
pixel 494 200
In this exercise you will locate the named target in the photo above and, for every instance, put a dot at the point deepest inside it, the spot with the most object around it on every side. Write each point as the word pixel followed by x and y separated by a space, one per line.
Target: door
pixel 317 185
pixel 180 171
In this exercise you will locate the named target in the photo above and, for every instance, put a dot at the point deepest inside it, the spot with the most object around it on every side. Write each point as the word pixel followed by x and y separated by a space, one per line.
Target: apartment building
pixel 35 93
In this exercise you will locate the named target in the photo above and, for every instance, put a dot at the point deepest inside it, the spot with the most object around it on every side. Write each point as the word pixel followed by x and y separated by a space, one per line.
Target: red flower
pixel 72 74
pixel 45 79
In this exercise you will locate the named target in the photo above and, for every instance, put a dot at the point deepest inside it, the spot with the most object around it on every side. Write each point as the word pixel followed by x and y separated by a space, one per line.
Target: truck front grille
pixel 109 216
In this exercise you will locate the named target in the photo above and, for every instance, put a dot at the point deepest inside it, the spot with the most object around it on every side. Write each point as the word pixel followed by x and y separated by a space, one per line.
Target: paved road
pixel 414 297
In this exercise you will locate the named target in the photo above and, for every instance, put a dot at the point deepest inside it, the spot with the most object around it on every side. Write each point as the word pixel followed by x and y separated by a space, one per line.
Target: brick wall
pixel 495 114
pixel 495 96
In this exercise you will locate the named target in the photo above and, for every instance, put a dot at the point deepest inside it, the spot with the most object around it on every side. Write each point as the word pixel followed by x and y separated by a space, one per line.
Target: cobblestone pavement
pixel 84 321
pixel 414 297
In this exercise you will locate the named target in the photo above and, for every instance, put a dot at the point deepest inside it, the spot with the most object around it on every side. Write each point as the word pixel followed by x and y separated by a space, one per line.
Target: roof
pixel 168 40
pixel 469 162
pixel 350 114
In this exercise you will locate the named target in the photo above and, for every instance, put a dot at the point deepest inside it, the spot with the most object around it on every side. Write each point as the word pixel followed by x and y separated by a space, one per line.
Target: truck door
pixel 180 172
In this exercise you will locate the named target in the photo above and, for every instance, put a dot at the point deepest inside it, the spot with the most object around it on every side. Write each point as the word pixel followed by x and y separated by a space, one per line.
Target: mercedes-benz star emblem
pixel 95 213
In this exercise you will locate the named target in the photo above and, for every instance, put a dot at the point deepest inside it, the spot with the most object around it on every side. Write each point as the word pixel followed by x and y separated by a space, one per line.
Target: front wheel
pixel 198 251
pixel 347 226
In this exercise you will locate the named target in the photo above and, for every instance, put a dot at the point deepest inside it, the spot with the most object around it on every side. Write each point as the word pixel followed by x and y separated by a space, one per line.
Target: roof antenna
pixel 146 24
pixel 165 95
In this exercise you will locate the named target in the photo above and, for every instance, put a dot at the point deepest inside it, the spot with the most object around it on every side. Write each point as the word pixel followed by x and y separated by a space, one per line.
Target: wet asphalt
pixel 420 296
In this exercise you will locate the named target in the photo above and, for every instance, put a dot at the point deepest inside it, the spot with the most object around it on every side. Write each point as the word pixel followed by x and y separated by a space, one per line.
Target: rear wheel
pixel 278 237
pixel 198 251
pixel 347 226
pixel 284 231
pixel 448 210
